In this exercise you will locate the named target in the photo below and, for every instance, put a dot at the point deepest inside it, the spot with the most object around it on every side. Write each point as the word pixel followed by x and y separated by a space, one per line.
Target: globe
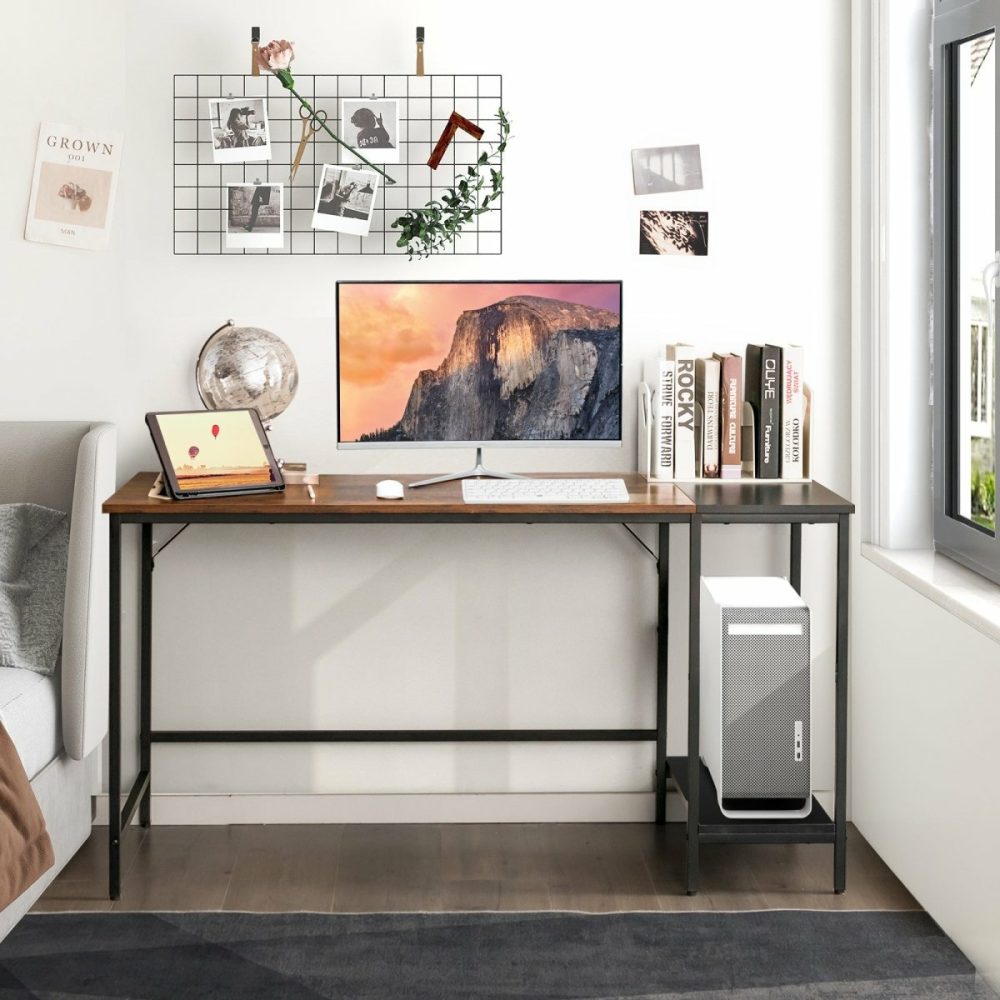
pixel 245 366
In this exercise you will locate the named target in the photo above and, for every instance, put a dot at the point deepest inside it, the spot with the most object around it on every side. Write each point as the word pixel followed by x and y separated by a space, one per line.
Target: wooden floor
pixel 597 867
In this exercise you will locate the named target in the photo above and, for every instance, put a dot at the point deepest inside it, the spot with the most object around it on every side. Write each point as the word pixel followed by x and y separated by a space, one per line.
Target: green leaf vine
pixel 431 229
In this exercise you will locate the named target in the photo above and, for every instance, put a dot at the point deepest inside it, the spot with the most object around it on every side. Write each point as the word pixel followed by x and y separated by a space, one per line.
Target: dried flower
pixel 76 196
pixel 276 57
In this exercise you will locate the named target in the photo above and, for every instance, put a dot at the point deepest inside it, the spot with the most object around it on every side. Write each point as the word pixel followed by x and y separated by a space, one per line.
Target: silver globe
pixel 245 366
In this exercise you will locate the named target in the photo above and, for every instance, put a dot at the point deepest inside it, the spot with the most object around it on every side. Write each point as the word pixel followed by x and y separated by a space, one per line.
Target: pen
pixel 311 492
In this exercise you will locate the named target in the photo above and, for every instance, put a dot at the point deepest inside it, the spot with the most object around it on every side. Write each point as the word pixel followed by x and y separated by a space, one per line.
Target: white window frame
pixel 954 535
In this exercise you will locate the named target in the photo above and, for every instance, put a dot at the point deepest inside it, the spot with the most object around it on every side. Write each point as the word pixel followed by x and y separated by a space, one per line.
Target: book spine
pixel 731 405
pixel 751 386
pixel 684 397
pixel 665 419
pixel 659 377
pixel 792 414
pixel 707 384
pixel 769 435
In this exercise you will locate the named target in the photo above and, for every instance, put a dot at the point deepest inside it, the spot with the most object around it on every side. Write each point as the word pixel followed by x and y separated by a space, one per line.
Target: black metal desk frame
pixel 778 504
pixel 138 798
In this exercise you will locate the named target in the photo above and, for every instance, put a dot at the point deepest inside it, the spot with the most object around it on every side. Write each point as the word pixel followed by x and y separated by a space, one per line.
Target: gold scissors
pixel 311 124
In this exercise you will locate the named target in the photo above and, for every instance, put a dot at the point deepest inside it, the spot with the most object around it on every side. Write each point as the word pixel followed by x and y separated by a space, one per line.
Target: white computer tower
pixel 756 696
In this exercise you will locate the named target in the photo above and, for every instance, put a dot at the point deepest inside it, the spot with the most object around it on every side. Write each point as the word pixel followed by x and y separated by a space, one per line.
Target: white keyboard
pixel 544 491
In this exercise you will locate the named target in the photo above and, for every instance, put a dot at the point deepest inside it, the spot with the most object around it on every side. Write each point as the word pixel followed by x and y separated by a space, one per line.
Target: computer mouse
pixel 389 489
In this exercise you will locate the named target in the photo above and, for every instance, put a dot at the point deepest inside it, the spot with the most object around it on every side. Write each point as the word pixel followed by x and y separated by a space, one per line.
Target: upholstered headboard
pixel 71 467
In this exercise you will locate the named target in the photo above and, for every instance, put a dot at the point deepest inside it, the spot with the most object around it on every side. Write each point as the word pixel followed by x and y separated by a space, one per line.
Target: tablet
pixel 207 453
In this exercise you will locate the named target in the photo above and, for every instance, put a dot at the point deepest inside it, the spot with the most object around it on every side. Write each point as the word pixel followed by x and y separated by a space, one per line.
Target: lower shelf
pixel 714 828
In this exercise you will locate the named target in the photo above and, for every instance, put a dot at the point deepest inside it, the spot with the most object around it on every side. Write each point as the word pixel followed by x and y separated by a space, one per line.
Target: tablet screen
pixel 215 449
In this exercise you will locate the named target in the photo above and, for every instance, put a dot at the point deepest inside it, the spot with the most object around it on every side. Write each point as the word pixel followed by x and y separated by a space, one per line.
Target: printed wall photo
pixel 345 200
pixel 661 169
pixel 254 216
pixel 80 194
pixel 239 129
pixel 371 126
pixel 73 187
pixel 676 233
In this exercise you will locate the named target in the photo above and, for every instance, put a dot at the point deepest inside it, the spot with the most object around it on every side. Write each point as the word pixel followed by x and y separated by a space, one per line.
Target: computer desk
pixel 351 499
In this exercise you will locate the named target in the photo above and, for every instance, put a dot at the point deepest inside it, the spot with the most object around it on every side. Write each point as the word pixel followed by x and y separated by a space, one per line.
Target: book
pixel 763 369
pixel 684 356
pixel 73 187
pixel 792 413
pixel 660 379
pixel 706 380
pixel 730 415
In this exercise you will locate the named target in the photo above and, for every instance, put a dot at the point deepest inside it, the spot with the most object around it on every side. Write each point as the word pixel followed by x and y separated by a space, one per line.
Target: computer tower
pixel 756 696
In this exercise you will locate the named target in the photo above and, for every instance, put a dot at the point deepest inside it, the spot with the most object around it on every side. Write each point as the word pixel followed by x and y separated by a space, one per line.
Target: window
pixel 965 273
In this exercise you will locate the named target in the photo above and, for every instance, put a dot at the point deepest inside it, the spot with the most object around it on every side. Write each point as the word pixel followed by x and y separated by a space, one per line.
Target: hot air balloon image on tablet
pixel 234 455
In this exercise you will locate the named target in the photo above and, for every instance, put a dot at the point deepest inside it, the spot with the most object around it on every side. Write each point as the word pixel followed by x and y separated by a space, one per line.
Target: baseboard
pixel 567 807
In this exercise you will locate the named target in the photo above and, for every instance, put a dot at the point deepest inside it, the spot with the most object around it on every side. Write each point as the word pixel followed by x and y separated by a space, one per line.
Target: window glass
pixel 976 246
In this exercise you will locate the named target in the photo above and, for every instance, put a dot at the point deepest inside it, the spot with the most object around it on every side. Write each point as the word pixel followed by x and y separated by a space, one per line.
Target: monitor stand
pixel 479 470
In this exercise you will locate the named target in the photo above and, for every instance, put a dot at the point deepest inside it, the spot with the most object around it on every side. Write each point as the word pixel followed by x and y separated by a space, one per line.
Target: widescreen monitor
pixel 463 363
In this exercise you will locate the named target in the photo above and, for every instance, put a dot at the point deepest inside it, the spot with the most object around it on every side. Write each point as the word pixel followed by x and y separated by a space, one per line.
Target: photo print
pixel 662 169
pixel 372 127
pixel 76 195
pixel 240 133
pixel 254 216
pixel 73 187
pixel 678 233
pixel 345 200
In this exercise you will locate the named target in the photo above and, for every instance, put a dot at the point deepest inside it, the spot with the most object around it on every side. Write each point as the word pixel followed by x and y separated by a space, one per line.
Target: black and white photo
pixel 673 233
pixel 239 128
pixel 662 169
pixel 372 127
pixel 254 216
pixel 345 200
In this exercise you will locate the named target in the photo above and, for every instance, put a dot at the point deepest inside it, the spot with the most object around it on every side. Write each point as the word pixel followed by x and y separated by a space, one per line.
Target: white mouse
pixel 389 489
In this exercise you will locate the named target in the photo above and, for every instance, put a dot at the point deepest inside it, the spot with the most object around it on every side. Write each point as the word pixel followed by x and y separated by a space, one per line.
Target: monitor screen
pixel 474 362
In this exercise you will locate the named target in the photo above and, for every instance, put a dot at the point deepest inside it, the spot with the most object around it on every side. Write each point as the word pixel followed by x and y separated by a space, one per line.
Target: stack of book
pixel 723 416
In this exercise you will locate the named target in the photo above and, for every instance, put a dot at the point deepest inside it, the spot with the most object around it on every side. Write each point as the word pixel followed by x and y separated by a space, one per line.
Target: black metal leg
pixel 840 781
pixel 145 664
pixel 694 703
pixel 114 710
pixel 662 631
pixel 795 557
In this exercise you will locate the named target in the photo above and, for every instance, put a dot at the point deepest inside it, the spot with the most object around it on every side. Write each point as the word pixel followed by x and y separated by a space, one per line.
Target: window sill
pixel 968 596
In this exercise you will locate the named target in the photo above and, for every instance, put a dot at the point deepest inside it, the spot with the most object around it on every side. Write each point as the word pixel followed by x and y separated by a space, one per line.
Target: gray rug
pixel 777 955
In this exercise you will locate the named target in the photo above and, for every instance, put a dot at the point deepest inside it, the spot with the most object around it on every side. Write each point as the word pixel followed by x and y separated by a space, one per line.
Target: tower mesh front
pixel 765 691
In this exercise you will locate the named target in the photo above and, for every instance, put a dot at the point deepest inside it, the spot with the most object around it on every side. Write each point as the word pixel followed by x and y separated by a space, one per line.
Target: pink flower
pixel 276 55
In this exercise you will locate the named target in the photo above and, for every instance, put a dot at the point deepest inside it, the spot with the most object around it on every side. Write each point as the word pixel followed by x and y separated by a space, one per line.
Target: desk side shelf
pixel 714 828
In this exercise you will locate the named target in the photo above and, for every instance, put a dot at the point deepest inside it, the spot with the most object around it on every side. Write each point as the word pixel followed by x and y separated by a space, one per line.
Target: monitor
pixel 475 363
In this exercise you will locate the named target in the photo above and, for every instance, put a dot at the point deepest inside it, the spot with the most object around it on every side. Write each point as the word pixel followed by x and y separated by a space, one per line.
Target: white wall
pixel 469 626
pixel 904 412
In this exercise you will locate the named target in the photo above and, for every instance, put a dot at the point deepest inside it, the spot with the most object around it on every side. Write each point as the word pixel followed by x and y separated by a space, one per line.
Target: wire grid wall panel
pixel 425 104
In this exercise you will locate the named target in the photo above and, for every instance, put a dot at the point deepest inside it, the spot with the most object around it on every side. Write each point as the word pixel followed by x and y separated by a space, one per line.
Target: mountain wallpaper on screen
pixel 525 368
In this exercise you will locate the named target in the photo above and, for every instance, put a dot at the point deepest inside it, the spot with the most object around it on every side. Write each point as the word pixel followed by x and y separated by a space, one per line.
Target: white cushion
pixel 29 710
